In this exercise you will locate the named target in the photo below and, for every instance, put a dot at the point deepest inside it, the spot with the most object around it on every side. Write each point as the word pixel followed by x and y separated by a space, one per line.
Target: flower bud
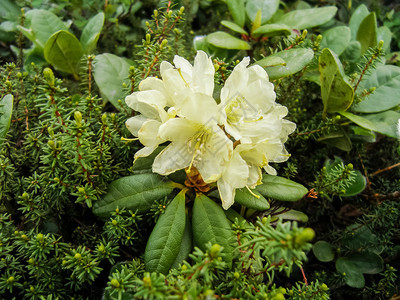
pixel 115 283
pixel 215 249
pixel 49 76
pixel 78 118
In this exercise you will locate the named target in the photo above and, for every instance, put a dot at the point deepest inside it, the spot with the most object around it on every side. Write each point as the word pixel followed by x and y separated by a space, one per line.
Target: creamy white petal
pixel 173 82
pixel 235 82
pixel 135 123
pixel 173 158
pixel 203 74
pixel 235 175
pixel 256 72
pixel 145 151
pixel 178 129
pixel 199 108
pixel 270 170
pixel 184 67
pixel 255 176
pixel 226 193
pixel 152 83
pixel 148 133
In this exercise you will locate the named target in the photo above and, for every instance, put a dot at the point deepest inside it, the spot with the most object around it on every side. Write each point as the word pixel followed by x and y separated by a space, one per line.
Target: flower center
pixel 239 110
pixel 197 143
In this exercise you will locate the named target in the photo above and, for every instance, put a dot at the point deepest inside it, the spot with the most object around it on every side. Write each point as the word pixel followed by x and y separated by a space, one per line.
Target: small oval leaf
pixel 136 192
pixel 244 197
pixel 63 51
pixel 323 251
pixel 295 60
pixel 272 30
pixel 281 189
pixel 233 26
pixel 165 240
pixel 226 41
pixel 110 72
pixel 6 108
pixel 307 18
pixel 91 32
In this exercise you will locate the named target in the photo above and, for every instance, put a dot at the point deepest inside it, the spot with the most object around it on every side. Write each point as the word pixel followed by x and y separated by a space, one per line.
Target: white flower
pixel 227 143
pixel 196 140
pixel 245 99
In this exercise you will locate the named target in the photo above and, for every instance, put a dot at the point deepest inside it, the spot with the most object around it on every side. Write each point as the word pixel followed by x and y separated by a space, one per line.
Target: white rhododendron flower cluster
pixel 228 143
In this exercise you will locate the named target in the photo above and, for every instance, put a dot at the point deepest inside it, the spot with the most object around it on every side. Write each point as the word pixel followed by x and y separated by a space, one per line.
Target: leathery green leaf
pixel 280 188
pixel 186 245
pixel 337 94
pixel 307 18
pixel 165 241
pixel 266 8
pixel 6 107
pixel 323 251
pixel 244 197
pixel 226 41
pixel 233 26
pixel 136 192
pixel 367 33
pixel 385 80
pixel 110 72
pixel 91 32
pixel 359 120
pixel 211 225
pixel 295 60
pixel 236 8
pixel 63 51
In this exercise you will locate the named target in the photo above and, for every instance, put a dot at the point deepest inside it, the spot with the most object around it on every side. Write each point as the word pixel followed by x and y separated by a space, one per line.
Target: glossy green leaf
pixel 352 52
pixel 9 9
pixel 200 43
pixel 360 121
pixel 362 135
pixel 307 18
pixel 6 108
pixel 272 30
pixel 385 79
pixel 145 164
pixel 367 33
pixel 357 186
pixel 63 51
pixel 165 240
pixel 356 18
pixel 280 188
pixel 226 41
pixel 356 264
pixel 211 225
pixel 295 59
pixel 266 7
pixel 186 245
pixel 352 276
pixel 237 10
pixel 323 251
pixel 110 72
pixel 233 26
pixel 136 192
pixel 387 123
pixel 384 34
pixel 337 94
pixel 91 32
pixel 43 25
pixel 362 237
pixel 338 139
pixel 293 215
pixel 271 61
pixel 337 39
pixel 245 198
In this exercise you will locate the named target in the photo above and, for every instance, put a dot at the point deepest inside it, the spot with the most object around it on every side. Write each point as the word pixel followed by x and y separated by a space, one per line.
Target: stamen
pixel 128 140
pixel 257 196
